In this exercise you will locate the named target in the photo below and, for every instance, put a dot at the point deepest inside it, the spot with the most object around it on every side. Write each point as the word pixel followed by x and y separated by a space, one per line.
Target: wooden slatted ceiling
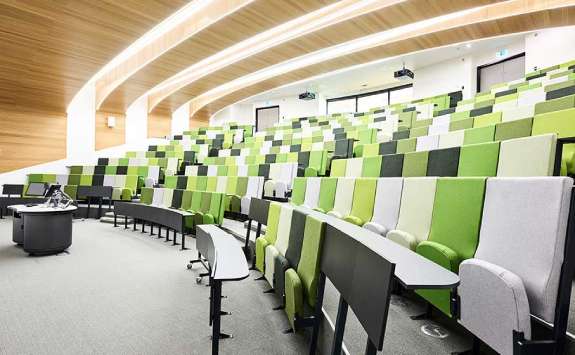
pixel 246 22
pixel 564 16
pixel 51 48
pixel 398 14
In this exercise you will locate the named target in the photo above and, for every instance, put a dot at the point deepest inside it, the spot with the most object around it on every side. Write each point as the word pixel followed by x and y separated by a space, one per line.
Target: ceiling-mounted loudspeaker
pixel 111 121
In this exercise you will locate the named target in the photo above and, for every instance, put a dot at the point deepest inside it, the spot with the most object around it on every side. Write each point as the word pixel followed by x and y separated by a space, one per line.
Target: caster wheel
pixel 198 280
pixel 189 266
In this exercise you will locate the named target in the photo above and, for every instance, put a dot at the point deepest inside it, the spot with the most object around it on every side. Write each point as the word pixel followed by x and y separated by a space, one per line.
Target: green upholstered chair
pixel 454 233
pixel 363 201
pixel 146 195
pixel 487 119
pixel 171 182
pixel 270 236
pixel 406 145
pixel 562 103
pixel 513 129
pixel 479 135
pixel 478 159
pixel 206 198
pixel 343 197
pixel 562 123
pixel 301 281
pixel 371 166
pixel 326 194
pixel 338 167
pixel 456 125
pixel 279 247
pixel 415 164
pixel 240 191
pixel 298 191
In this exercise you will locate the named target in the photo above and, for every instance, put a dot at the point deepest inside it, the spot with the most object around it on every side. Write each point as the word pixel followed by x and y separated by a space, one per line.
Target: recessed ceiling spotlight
pixel 363 85
pixel 468 45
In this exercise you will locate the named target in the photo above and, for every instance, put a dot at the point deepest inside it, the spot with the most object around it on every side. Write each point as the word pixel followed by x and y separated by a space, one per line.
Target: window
pixel 366 101
pixel 508 69
pixel 341 106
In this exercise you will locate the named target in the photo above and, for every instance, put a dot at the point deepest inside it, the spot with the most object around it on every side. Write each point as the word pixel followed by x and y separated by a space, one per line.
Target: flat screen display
pixel 36 189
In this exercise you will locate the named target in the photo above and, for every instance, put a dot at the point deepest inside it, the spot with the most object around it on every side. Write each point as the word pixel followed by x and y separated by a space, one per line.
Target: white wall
pixel 137 121
pixel 181 120
pixel 81 125
pixel 549 47
pixel 448 76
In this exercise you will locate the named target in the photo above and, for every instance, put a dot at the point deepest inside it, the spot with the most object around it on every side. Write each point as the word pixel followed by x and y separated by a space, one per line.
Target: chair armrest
pixel 319 209
pixel 127 194
pixel 440 254
pixel 376 228
pixel 335 213
pixel 406 239
pixel 353 219
pixel 208 219
pixel 281 266
pixel 493 304
pixel 294 296
pixel 261 244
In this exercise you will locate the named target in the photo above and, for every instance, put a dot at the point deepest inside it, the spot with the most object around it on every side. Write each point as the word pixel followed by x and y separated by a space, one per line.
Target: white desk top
pixel 230 262
pixel 40 209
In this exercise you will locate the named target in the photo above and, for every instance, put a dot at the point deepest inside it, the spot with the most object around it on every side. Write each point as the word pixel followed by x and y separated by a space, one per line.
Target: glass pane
pixel 341 106
pixel 403 95
pixel 365 103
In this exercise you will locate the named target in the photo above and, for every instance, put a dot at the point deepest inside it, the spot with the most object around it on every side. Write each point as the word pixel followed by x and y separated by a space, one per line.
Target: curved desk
pixel 42 230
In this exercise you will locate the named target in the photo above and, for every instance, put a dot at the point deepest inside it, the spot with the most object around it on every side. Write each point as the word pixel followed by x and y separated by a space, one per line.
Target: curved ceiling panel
pixel 254 17
pixel 505 18
pixel 50 49
pixel 339 23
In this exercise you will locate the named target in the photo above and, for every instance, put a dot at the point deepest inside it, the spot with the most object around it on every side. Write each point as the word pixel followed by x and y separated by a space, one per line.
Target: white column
pixel 181 119
pixel 137 124
pixel 81 125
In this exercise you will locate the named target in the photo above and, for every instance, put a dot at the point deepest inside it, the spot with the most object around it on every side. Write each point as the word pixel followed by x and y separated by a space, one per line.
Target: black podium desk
pixel 42 230
pixel 226 262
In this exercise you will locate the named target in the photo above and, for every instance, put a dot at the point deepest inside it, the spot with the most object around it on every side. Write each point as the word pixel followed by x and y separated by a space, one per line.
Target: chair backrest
pixel 147 195
pixel 177 196
pixel 284 226
pixel 308 266
pixel 313 186
pixel 273 221
pixel 363 198
pixel 529 156
pixel 478 159
pixel 387 202
pixel 416 207
pixel 524 230
pixel 222 184
pixel 327 192
pixel 427 143
pixel 196 201
pixel 457 215
pixel 167 199
pixel 186 200
pixel 354 167
pixel 297 230
pixel 344 196
pixel 299 191
pixel 158 197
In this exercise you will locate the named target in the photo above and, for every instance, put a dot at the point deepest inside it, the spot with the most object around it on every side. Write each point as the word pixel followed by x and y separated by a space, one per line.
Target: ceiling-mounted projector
pixel 307 96
pixel 404 74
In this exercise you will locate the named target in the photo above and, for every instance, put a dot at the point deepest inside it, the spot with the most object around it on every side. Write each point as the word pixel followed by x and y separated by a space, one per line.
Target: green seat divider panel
pixel 370 150
pixel 76 169
pixel 86 180
pixel 487 119
pixel 415 164
pixel 371 166
pixel 460 124
pixel 406 145
pixel 74 179
pixel 110 170
pixel 147 195
pixel 513 129
pixel 563 124
pixel 71 190
pixel 418 132
pixel 327 194
pixel 363 201
pixel 211 183
pixel 479 135
pixel 35 178
pixel 270 237
pixel 301 285
pixel 338 167
pixel 456 116
pixel 298 191
pixel 425 123
pixel 562 103
pixel 478 159
pixel 123 161
pixel 454 231
pixel 171 182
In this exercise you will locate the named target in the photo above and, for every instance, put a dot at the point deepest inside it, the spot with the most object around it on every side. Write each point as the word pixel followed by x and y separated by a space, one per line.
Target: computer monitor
pixel 53 188
pixel 36 189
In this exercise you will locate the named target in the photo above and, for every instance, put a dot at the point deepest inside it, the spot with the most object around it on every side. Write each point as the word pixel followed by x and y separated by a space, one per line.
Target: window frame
pixel 357 96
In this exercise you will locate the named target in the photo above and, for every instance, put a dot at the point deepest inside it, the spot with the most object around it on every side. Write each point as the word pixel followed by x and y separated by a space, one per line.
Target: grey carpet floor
pixel 123 292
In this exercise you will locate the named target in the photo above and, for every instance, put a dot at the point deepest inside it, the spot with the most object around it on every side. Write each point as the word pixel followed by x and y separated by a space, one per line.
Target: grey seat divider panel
pixel 364 280
pixel 259 210
pixel 293 252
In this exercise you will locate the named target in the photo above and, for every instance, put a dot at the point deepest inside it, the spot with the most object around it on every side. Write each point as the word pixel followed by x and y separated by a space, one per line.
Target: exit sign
pixel 501 53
